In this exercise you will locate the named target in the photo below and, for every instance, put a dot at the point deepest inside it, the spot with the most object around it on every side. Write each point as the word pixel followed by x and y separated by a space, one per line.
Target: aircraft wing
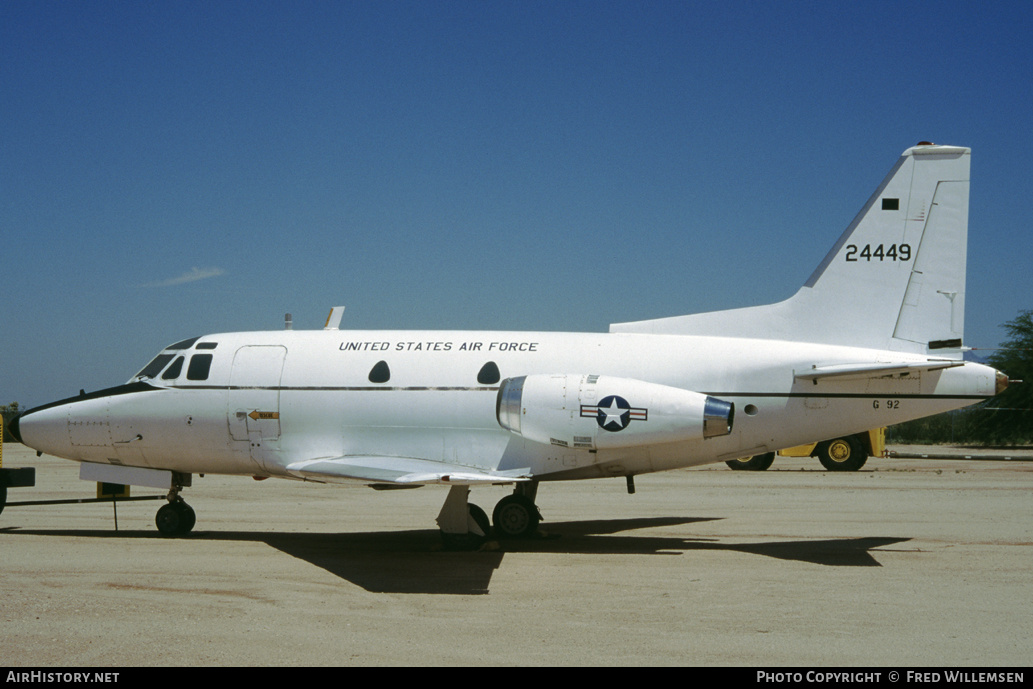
pixel 399 471
pixel 874 370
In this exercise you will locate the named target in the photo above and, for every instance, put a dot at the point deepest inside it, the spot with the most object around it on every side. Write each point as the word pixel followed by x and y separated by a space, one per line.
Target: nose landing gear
pixel 176 518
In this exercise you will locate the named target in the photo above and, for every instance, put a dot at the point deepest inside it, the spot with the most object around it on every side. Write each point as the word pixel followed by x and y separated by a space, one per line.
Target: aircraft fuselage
pixel 268 398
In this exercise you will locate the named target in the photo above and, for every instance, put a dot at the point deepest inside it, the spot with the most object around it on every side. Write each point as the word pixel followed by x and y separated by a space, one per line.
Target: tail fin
pixel 894 280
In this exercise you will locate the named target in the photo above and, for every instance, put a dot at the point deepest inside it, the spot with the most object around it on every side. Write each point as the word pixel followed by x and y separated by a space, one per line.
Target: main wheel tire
pixel 480 517
pixel 755 463
pixel 515 517
pixel 465 542
pixel 842 454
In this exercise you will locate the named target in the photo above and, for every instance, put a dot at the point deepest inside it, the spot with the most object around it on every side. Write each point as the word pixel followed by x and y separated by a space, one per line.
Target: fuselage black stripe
pixel 332 388
pixel 379 388
pixel 127 389
pixel 850 395
pixel 144 387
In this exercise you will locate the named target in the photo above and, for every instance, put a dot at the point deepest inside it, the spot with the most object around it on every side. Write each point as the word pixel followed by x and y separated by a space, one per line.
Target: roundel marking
pixel 614 413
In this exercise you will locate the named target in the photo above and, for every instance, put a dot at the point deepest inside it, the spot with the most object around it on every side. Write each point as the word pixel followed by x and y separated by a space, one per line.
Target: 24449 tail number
pixel 894 252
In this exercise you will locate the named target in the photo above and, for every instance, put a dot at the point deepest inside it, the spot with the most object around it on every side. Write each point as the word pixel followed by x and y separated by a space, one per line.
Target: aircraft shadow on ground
pixel 412 561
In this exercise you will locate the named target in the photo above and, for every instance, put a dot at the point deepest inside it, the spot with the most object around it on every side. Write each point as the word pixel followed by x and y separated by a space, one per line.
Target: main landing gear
pixel 176 518
pixel 516 515
pixel 465 526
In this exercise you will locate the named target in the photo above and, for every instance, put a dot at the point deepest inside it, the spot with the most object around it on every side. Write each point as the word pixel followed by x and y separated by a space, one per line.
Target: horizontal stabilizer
pixel 398 470
pixel 876 370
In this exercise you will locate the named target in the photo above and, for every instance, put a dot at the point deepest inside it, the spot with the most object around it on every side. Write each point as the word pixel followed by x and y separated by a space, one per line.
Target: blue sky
pixel 170 169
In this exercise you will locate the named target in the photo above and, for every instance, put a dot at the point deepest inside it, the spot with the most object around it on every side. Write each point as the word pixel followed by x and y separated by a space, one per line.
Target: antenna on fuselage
pixel 288 322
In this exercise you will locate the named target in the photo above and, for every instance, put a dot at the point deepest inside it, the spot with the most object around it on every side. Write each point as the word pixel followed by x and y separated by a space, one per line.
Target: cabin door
pixel 253 410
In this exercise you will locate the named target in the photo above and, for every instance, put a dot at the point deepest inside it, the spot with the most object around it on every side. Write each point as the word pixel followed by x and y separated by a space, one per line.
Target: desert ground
pixel 913 561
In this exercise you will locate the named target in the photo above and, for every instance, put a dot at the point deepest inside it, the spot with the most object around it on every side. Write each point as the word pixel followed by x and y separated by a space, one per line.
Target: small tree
pixel 1009 416
pixel 9 411
pixel 1003 420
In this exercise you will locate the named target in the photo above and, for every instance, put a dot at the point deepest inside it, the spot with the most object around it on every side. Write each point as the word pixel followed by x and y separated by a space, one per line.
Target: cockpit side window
pixel 199 366
pixel 154 368
pixel 174 370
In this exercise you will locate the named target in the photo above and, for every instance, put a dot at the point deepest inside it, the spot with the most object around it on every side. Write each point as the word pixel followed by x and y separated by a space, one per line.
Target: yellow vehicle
pixel 848 453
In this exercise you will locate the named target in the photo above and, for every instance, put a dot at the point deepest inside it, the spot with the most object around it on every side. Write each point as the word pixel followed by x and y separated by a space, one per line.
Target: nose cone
pixel 14 428
pixel 1001 383
pixel 44 429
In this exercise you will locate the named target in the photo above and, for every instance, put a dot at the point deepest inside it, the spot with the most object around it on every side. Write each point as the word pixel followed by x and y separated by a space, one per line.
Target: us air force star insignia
pixel 613 413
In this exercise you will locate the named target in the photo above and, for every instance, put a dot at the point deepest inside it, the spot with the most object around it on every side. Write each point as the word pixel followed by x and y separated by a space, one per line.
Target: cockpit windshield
pixel 154 368
pixel 158 363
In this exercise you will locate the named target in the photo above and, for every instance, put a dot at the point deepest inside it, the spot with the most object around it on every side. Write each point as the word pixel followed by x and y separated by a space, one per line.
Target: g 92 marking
pixel 895 252
pixel 889 404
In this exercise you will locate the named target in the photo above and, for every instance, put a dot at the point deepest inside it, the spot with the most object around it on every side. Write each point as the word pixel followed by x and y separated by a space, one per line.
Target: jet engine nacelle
pixel 603 412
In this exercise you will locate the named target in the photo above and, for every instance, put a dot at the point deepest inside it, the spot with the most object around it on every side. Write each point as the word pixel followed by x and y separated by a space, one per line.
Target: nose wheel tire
pixel 175 519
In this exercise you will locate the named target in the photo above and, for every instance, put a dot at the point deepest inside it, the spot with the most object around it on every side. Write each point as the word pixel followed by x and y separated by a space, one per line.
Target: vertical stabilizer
pixel 894 280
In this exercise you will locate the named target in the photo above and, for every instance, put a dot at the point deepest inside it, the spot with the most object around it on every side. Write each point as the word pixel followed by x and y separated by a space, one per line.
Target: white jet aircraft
pixel 873 338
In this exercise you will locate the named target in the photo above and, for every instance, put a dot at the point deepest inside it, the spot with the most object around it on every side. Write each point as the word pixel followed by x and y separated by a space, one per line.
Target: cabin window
pixel 154 368
pixel 891 204
pixel 489 374
pixel 174 370
pixel 380 373
pixel 199 367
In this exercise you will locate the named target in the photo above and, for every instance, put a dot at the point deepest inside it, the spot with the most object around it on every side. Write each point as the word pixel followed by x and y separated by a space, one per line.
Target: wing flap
pixel 874 370
pixel 402 471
